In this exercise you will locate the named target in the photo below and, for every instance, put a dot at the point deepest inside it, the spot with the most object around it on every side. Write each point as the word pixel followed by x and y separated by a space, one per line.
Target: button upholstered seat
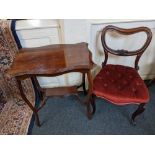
pixel 120 85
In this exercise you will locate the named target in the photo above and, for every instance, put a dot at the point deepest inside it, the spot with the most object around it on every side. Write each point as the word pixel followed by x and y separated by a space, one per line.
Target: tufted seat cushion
pixel 120 85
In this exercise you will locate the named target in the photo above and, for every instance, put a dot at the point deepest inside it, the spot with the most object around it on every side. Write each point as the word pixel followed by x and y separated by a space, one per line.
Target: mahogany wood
pixel 123 52
pixel 61 91
pixel 140 109
pixel 50 61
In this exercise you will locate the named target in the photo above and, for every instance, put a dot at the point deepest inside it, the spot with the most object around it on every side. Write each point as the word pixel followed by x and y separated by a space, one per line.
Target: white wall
pixel 89 31
pixel 34 33
pixel 74 30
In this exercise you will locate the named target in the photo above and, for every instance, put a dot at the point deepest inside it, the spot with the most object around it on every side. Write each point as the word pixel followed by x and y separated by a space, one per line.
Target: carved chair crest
pixel 123 52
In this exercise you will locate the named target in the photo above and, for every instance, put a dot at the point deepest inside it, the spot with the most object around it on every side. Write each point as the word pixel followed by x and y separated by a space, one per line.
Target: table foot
pixel 37 121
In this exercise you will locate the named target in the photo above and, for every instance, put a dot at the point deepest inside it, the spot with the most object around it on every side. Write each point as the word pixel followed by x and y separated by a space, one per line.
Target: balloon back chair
pixel 121 85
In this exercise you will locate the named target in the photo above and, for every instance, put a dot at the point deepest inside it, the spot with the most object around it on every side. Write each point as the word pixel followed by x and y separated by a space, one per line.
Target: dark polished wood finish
pixel 51 61
pixel 123 52
pixel 140 109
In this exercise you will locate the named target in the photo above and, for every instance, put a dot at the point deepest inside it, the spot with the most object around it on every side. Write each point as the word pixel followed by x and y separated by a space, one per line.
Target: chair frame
pixel 122 52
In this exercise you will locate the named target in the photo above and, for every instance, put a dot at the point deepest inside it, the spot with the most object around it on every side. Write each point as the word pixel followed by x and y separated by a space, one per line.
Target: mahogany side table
pixel 52 60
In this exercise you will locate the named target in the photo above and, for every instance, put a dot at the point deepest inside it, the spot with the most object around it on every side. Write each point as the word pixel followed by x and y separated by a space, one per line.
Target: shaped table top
pixel 51 59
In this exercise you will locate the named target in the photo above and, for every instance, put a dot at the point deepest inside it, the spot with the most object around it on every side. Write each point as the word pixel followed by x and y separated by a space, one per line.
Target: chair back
pixel 123 52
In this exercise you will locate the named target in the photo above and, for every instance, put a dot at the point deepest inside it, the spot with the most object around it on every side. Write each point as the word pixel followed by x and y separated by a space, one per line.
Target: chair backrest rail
pixel 123 52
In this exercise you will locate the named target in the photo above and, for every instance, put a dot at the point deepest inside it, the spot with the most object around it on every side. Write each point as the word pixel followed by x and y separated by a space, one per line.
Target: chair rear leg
pixel 139 110
pixel 93 104
pixel 151 82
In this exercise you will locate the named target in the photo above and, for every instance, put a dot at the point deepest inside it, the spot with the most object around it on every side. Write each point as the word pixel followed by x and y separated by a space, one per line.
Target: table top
pixel 51 59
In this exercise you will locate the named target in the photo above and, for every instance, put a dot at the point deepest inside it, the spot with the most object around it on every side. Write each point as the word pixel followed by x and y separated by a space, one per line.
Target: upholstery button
pixel 119 75
pixel 112 80
pixel 107 72
pixel 119 87
pixel 105 84
pixel 130 76
pixel 124 82
pixel 138 84
pixel 133 89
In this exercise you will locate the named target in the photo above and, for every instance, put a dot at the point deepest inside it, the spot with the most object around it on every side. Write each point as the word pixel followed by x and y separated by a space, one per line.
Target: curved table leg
pixel 28 103
pixel 84 84
pixel 38 88
pixel 89 96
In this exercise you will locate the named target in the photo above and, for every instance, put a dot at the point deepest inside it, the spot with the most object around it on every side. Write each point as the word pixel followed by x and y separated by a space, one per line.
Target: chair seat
pixel 120 85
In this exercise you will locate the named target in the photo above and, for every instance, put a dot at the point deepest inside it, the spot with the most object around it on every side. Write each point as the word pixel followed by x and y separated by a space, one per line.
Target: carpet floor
pixel 66 116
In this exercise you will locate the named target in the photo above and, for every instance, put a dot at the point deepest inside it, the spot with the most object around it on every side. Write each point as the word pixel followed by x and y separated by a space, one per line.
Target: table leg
pixel 90 108
pixel 27 101
pixel 38 88
pixel 84 84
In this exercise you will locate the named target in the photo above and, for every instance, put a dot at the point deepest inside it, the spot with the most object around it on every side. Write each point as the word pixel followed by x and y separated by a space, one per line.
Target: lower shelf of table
pixel 60 91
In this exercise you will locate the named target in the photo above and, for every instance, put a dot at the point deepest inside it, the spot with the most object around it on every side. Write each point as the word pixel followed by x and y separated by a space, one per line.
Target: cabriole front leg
pixel 27 101
pixel 139 110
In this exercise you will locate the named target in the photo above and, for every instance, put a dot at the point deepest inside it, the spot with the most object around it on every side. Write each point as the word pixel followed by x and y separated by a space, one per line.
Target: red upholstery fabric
pixel 120 85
